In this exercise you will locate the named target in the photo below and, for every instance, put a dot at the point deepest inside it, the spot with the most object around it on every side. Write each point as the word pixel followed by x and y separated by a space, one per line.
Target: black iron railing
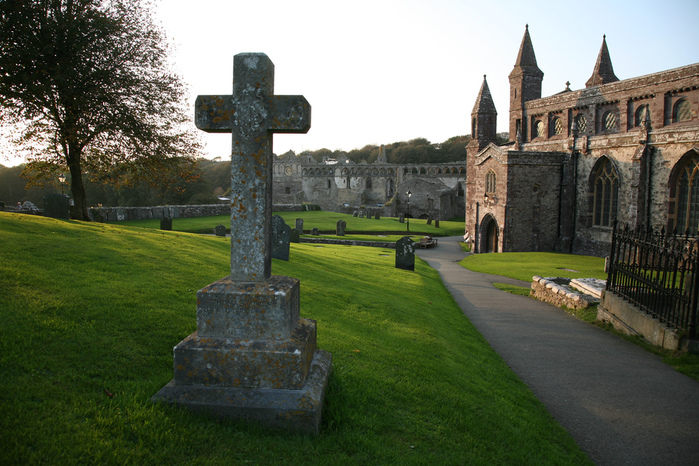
pixel 658 273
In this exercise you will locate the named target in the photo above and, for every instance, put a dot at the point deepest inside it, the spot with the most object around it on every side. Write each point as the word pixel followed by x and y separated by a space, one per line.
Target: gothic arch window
pixel 682 111
pixel 686 194
pixel 581 123
pixel 642 113
pixel 490 182
pixel 423 171
pixel 368 183
pixel 610 121
pixel 604 192
pixel 556 126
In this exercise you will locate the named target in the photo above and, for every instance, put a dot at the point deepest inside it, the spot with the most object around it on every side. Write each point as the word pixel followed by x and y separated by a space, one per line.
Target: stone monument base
pixel 297 410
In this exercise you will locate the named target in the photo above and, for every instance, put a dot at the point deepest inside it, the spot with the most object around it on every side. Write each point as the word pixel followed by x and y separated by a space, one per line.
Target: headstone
pixel 401 218
pixel 220 230
pixel 166 223
pixel 299 225
pixel 294 236
pixel 377 216
pixel 340 228
pixel 280 238
pixel 57 206
pixel 429 220
pixel 361 214
pixel 252 356
pixel 405 253
pixel 436 223
pixel 368 214
pixel 315 232
pixel 355 214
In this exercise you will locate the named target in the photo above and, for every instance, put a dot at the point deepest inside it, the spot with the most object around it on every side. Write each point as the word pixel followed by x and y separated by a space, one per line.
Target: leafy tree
pixel 88 83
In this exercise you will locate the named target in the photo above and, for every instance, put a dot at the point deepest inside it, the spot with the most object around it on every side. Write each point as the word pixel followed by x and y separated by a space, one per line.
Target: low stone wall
pixel 375 244
pixel 118 214
pixel 559 292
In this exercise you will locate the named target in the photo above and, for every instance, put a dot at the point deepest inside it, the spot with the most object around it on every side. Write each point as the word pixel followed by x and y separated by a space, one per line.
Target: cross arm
pixel 290 114
pixel 214 113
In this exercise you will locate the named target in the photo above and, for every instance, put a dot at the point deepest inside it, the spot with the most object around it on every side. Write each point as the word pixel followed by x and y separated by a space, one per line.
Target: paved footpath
pixel 620 403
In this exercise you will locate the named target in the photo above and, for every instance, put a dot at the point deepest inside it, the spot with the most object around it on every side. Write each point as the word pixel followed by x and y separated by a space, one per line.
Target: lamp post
pixel 408 218
pixel 61 179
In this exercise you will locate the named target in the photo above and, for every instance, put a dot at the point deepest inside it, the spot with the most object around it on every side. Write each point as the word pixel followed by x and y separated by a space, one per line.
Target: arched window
pixel 538 129
pixel 687 195
pixel 581 123
pixel 368 183
pixel 609 121
pixel 642 113
pixel 682 111
pixel 556 126
pixel 329 184
pixel 490 180
pixel 604 187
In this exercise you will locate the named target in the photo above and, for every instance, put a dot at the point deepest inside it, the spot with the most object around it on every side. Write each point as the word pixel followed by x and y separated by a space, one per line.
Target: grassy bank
pixel 324 221
pixel 90 313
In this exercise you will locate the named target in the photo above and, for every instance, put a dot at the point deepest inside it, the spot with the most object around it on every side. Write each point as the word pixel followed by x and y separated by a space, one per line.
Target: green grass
pixel 324 221
pixel 524 265
pixel 93 310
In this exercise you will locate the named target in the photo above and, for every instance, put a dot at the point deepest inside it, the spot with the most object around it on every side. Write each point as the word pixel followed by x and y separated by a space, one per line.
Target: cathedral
pixel 625 150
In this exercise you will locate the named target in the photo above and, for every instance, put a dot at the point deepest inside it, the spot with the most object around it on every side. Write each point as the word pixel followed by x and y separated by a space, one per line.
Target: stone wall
pixel 118 214
pixel 556 291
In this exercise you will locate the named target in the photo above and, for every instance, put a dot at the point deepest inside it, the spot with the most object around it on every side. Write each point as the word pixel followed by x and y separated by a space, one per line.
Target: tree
pixel 88 83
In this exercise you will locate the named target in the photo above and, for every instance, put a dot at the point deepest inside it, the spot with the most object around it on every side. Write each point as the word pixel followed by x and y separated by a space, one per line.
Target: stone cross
pixel 252 114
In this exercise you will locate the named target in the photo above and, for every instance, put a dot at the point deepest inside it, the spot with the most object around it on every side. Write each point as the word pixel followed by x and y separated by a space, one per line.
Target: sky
pixel 382 71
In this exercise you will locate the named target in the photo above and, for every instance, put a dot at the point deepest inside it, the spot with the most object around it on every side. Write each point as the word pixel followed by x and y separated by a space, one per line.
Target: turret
pixel 525 84
pixel 483 118
pixel 603 72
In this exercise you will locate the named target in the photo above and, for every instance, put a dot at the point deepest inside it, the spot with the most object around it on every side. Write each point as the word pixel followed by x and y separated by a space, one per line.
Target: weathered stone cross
pixel 252 114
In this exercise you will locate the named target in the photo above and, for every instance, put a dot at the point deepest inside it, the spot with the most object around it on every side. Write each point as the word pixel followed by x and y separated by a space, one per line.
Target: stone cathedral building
pixel 617 149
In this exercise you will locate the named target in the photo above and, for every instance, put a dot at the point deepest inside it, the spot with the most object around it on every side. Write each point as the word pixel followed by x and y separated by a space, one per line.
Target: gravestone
pixel 368 214
pixel 280 238
pixel 340 228
pixel 405 253
pixel 166 223
pixel 220 230
pixel 315 232
pixel 377 216
pixel 294 236
pixel 57 206
pixel 436 223
pixel 361 214
pixel 401 218
pixel 355 214
pixel 429 220
pixel 299 225
pixel 252 356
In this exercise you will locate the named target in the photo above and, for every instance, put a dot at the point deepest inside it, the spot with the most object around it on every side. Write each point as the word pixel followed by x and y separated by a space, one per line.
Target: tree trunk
pixel 76 186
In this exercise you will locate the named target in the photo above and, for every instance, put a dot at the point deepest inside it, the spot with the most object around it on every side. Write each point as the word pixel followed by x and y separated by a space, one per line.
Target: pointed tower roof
pixel 603 72
pixel 526 59
pixel 484 101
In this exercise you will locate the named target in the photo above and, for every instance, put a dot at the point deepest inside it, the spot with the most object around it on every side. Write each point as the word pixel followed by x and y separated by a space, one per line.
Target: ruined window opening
pixel 538 128
pixel 605 194
pixel 329 184
pixel 368 183
pixel 287 190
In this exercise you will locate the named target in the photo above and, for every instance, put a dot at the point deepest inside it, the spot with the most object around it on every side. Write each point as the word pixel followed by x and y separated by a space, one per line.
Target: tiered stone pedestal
pixel 252 357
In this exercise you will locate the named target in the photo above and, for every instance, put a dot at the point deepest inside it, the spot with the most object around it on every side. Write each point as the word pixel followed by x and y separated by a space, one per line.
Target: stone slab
pixel 249 310
pixel 280 364
pixel 295 410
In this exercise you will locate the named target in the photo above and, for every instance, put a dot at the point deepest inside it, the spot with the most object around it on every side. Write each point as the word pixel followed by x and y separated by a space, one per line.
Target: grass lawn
pixel 524 265
pixel 324 221
pixel 91 312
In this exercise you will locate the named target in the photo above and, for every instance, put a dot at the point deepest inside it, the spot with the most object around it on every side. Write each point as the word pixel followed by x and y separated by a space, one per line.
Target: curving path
pixel 620 403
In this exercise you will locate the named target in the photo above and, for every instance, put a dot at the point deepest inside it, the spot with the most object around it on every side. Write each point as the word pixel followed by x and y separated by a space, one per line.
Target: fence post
pixel 612 260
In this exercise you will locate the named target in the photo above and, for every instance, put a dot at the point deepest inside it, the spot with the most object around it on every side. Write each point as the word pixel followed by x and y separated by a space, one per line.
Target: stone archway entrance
pixel 489 234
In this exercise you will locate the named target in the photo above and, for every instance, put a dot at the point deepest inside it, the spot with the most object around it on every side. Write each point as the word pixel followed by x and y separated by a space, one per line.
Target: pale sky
pixel 381 71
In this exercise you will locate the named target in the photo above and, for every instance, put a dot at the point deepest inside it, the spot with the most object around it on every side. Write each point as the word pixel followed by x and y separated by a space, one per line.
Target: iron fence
pixel 657 272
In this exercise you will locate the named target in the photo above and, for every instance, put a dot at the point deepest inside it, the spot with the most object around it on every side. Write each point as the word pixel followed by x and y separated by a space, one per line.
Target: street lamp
pixel 61 179
pixel 409 194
